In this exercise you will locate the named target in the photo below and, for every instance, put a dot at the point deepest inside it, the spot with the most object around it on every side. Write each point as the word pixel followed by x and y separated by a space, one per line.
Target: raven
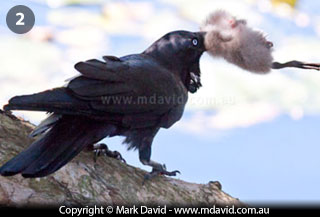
pixel 132 96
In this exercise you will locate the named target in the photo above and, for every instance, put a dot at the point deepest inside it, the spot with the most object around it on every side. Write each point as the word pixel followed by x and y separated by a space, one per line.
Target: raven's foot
pixel 158 170
pixel 102 149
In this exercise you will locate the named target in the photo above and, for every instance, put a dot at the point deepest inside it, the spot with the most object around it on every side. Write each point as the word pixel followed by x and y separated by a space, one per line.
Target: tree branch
pixel 82 182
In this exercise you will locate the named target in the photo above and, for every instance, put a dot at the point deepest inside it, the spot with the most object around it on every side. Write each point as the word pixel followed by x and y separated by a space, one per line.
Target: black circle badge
pixel 20 19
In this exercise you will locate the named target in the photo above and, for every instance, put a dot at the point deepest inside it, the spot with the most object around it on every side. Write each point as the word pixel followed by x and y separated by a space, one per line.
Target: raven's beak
pixel 201 37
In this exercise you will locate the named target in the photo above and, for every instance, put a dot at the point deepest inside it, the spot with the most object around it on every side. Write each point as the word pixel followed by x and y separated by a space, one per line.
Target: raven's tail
pixel 57 100
pixel 69 136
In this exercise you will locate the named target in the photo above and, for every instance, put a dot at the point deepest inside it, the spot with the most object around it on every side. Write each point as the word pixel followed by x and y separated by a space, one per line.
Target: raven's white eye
pixel 195 42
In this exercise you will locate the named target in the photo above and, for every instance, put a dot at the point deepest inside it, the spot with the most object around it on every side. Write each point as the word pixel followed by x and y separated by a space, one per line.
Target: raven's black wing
pixel 137 84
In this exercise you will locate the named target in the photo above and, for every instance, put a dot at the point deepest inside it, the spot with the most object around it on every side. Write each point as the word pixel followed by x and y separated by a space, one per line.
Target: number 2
pixel 19 22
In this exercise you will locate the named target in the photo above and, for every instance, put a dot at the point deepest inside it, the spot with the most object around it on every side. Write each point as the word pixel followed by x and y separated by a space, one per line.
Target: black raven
pixel 132 96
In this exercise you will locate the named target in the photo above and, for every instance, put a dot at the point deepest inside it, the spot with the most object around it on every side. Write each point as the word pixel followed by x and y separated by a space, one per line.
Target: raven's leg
pixel 102 148
pixel 142 140
pixel 157 168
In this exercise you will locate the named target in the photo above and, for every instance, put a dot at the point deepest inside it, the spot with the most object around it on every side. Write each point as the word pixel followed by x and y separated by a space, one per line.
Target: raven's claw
pixel 102 148
pixel 159 171
pixel 167 173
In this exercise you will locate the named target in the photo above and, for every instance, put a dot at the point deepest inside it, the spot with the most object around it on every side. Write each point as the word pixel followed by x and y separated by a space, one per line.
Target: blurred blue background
pixel 256 134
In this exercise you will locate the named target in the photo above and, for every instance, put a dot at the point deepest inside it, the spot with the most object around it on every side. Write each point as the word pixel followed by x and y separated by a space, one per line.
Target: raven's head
pixel 180 51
